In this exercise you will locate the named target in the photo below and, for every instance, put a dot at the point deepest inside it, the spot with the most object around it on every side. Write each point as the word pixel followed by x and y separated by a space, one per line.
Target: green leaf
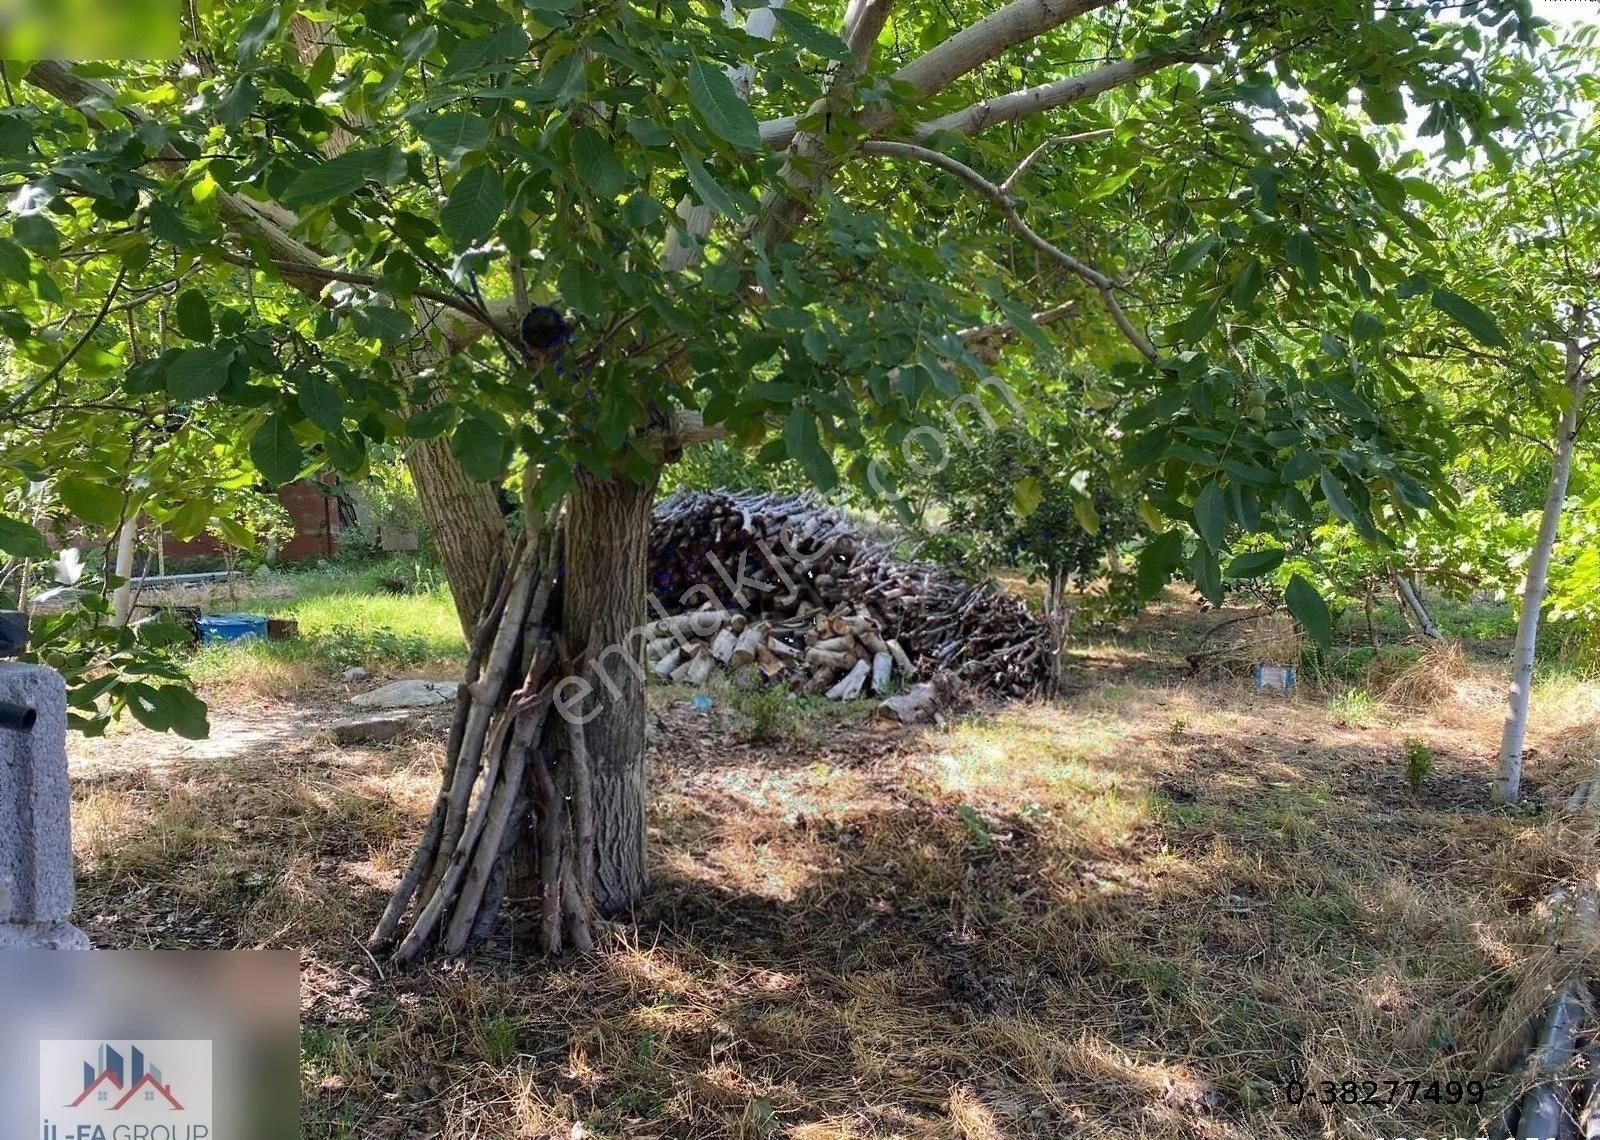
pixel 1211 515
pixel 804 445
pixel 472 55
pixel 347 453
pixel 16 133
pixel 167 708
pixel 456 135
pixel 812 37
pixel 171 226
pixel 1248 283
pixel 430 422
pixel 38 233
pixel 1083 509
pixel 1207 574
pixel 185 713
pixel 95 503
pixel 238 103
pixel 474 206
pixel 257 33
pixel 1383 104
pixel 1198 323
pixel 20 539
pixel 481 444
pixel 640 211
pixel 1026 496
pixel 321 403
pixel 380 322
pixel 597 163
pixel 1464 313
pixel 196 373
pixel 192 314
pixel 1191 255
pixel 190 519
pixel 1334 492
pixel 1255 564
pixel 1160 557
pixel 1302 254
pixel 1308 608
pixel 14 262
pixel 580 287
pixel 710 190
pixel 275 451
pixel 726 115
pixel 1366 325
pixel 337 178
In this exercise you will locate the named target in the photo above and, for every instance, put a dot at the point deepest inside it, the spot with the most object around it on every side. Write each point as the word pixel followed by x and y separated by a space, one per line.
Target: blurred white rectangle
pixel 1274 678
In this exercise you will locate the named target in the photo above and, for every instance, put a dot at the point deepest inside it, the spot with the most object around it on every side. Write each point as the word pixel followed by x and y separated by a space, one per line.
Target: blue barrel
pixel 232 627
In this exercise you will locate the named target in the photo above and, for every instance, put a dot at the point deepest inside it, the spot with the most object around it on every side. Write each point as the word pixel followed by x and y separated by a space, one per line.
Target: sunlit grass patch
pixel 345 619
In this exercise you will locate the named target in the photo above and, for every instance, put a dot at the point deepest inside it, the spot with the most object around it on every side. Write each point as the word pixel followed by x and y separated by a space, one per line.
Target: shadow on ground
pixel 1138 913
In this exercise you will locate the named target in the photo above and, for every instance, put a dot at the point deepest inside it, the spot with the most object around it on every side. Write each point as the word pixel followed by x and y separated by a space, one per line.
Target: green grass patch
pixel 395 614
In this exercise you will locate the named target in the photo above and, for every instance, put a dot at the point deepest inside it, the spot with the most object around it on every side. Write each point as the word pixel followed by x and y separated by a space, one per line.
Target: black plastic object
pixel 13 632
pixel 18 718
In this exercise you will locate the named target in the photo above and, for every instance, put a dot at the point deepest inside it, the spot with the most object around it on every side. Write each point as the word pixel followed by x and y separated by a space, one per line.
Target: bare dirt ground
pixel 1141 911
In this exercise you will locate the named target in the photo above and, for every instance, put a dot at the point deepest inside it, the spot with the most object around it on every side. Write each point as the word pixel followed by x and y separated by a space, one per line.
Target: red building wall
pixel 314 514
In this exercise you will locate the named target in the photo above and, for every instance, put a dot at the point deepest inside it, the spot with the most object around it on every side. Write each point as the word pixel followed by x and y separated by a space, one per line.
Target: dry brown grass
pixel 1133 913
pixel 1428 679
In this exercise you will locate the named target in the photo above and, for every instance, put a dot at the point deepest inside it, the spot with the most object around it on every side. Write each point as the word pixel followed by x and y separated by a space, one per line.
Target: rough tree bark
pixel 464 516
pixel 1508 785
pixel 608 529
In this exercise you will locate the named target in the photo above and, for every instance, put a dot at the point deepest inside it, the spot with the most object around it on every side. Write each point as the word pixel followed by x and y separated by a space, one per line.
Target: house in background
pixel 316 509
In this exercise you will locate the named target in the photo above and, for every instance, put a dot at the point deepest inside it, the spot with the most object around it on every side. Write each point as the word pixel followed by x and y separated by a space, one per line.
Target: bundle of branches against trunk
pixel 513 774
pixel 825 599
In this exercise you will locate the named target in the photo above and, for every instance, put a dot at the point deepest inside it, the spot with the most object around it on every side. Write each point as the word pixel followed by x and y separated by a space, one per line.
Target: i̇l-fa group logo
pixel 125 1090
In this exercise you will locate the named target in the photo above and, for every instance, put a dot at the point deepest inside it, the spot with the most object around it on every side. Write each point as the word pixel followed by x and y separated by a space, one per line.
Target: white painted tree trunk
pixel 122 600
pixel 1508 786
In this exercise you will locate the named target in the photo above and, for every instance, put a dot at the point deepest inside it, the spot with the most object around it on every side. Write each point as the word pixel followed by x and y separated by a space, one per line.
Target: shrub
pixel 1419 762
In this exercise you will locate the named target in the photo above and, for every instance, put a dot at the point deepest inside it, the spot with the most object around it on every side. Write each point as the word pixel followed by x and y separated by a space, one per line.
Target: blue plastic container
pixel 232 627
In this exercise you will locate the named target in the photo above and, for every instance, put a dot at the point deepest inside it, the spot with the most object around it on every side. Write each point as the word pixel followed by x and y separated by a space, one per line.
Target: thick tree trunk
pixel 608 528
pixel 468 528
pixel 1508 786
pixel 548 741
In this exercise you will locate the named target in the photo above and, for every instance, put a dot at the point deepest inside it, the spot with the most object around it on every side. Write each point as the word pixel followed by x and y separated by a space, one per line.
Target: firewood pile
pixel 782 587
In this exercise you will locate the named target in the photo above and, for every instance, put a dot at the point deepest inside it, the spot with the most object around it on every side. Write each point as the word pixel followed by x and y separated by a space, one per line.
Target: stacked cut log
pixel 793 587
pixel 841 655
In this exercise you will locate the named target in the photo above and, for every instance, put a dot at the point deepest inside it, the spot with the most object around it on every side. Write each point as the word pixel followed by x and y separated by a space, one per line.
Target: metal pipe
pixel 18 718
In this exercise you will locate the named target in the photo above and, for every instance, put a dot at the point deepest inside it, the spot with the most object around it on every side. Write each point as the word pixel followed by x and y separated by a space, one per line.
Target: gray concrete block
pixel 36 886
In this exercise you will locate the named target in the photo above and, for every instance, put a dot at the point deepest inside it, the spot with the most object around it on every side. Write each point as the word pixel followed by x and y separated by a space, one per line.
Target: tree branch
pixel 467 308
pixel 66 358
pixel 1005 330
pixel 863 24
pixel 1049 144
pixel 976 44
pixel 1048 96
pixel 1102 284
pixel 266 222
pixel 808 166
pixel 779 133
